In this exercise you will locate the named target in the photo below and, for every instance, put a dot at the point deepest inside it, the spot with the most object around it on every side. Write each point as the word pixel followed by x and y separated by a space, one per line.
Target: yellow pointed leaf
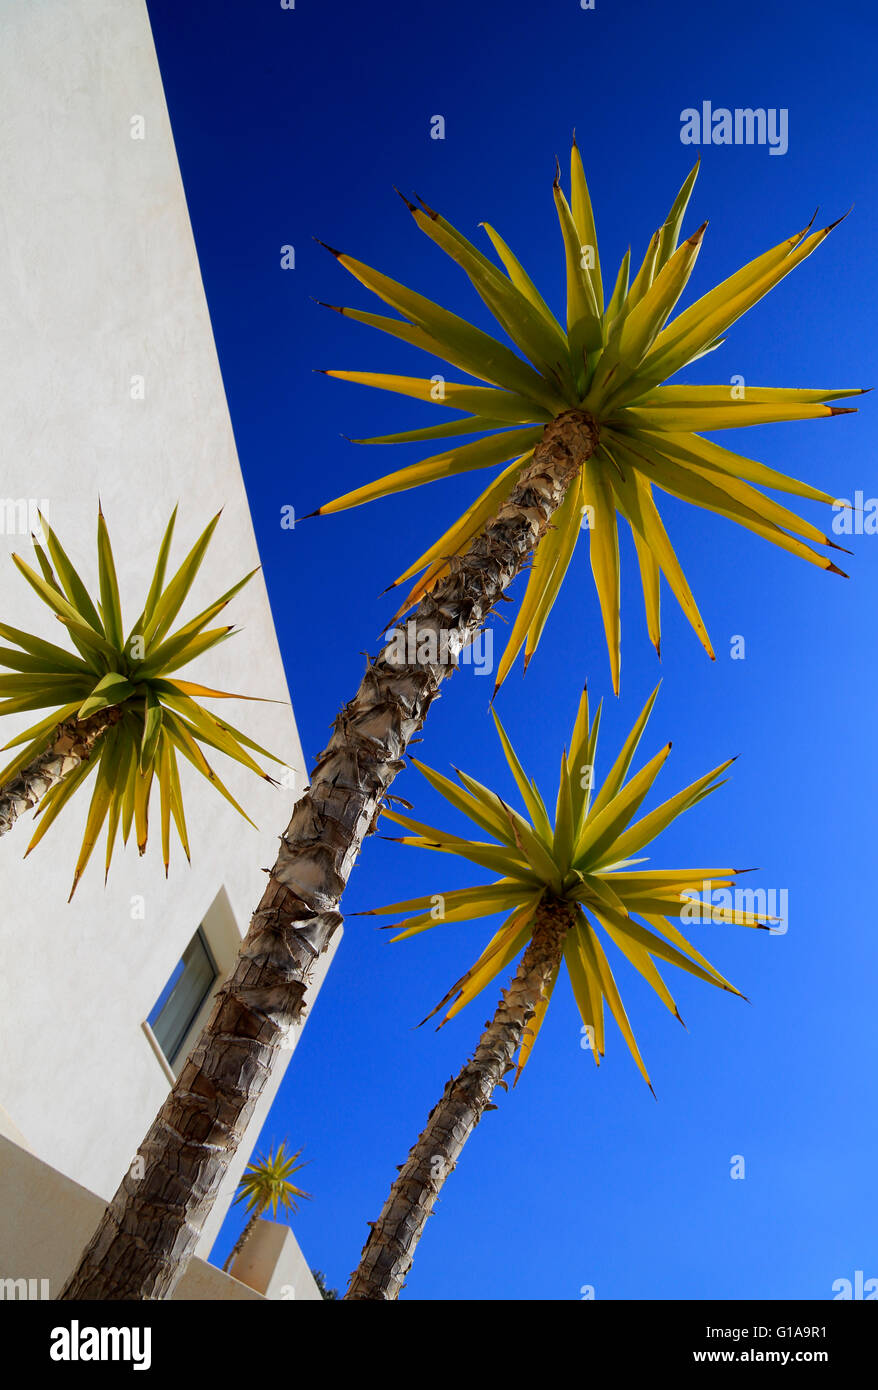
pixel 604 553
pixel 482 453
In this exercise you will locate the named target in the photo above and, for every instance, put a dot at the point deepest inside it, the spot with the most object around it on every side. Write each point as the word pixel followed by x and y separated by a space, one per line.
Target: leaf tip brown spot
pixel 834 224
pixel 409 204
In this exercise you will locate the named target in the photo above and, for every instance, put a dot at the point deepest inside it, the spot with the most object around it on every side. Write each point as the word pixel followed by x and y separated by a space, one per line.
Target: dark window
pixel 180 1001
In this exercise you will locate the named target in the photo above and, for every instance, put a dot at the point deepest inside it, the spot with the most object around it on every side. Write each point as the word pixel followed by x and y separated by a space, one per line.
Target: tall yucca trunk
pixel 242 1239
pixel 388 1253
pixel 72 744
pixel 148 1233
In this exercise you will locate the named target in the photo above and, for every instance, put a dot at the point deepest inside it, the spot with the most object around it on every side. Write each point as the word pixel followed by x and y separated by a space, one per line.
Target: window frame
pixel 171 1059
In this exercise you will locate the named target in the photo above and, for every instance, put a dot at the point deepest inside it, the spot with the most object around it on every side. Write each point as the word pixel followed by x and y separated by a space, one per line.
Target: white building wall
pixel 46 1219
pixel 99 284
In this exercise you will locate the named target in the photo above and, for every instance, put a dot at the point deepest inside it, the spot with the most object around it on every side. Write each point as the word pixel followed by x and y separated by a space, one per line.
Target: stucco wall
pixel 46 1219
pixel 99 284
pixel 272 1263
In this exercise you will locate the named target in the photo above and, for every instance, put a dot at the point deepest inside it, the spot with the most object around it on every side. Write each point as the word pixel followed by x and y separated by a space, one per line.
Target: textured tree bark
pixel 73 743
pixel 148 1232
pixel 242 1239
pixel 388 1253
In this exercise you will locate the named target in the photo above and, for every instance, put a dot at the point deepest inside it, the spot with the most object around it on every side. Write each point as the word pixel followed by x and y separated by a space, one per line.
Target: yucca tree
pixel 561 877
pixel 118 709
pixel 581 414
pixel 584 403
pixel 267 1186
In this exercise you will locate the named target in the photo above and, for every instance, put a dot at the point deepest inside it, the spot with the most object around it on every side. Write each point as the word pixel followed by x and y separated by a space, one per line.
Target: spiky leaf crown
pixel 610 358
pixel 155 715
pixel 582 861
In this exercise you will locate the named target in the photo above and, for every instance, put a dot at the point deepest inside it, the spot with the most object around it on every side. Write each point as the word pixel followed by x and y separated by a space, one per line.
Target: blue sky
pixel 292 124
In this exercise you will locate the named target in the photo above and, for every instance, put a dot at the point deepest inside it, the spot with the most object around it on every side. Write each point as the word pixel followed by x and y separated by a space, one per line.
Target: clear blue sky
pixel 294 124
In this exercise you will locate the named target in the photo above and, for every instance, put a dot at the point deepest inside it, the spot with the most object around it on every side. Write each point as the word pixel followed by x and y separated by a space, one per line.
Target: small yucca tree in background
pixel 561 877
pixel 118 710
pixel 589 421
pixel 266 1186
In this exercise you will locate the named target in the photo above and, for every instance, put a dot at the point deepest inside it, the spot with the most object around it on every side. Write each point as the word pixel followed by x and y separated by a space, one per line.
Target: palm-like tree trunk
pixel 148 1232
pixel 242 1239
pixel 72 744
pixel 388 1253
